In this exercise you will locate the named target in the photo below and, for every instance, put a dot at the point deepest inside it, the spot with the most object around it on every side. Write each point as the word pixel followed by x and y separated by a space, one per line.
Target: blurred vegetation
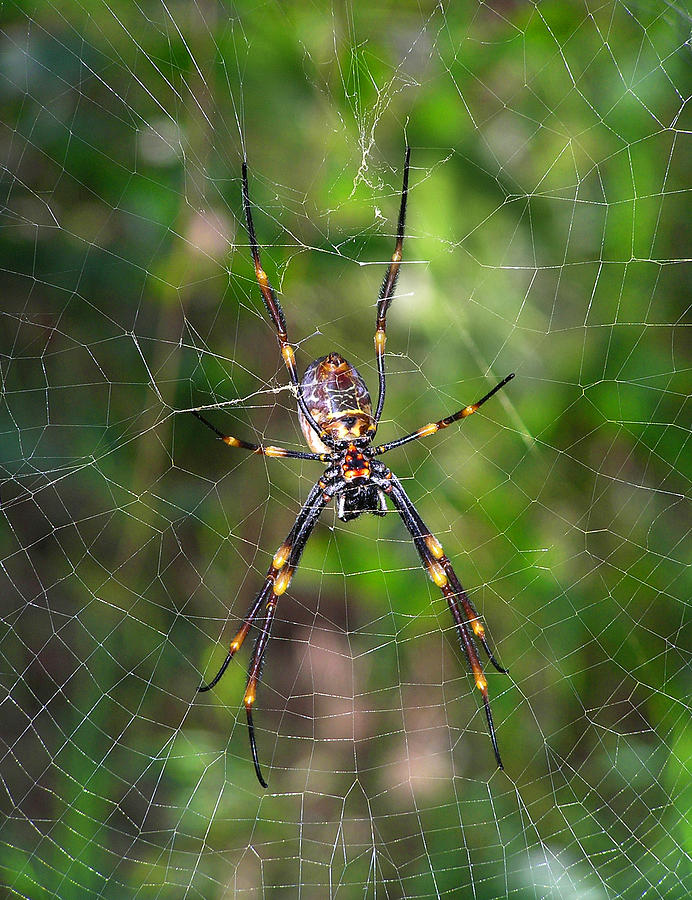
pixel 546 235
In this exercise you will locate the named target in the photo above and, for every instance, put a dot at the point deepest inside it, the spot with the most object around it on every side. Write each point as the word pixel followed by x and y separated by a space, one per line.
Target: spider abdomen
pixel 338 400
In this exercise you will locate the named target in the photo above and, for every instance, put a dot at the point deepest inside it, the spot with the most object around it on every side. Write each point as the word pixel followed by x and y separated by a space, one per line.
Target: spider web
pixel 546 235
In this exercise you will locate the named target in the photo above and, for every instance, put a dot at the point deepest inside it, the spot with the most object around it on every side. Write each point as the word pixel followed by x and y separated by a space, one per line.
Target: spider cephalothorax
pixel 337 420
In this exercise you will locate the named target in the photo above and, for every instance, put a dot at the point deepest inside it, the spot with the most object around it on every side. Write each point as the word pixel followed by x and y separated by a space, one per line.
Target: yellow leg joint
pixel 434 546
pixel 437 573
pixel 283 580
pixel 281 556
pixel 481 683
pixel 380 341
pixel 478 629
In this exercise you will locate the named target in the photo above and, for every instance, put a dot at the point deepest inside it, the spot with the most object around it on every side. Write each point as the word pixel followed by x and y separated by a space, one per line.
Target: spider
pixel 336 418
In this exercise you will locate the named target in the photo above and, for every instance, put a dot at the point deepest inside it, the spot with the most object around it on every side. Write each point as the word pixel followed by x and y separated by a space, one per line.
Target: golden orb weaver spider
pixel 336 418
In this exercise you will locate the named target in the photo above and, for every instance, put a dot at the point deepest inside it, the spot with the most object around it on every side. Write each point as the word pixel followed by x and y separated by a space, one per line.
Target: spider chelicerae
pixel 336 418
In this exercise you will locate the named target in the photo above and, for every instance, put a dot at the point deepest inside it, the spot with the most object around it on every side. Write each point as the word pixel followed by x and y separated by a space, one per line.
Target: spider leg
pixel 434 427
pixel 441 572
pixel 289 557
pixel 260 449
pixel 276 313
pixel 387 290
pixel 267 589
pixel 430 549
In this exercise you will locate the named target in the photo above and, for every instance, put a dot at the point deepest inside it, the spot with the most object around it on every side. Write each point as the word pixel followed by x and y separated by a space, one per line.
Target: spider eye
pixel 349 421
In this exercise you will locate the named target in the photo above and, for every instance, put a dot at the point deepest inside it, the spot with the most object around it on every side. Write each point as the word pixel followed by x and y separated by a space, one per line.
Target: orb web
pixel 545 236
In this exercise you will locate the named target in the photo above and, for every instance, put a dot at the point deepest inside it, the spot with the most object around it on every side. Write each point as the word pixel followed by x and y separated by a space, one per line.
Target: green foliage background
pixel 547 236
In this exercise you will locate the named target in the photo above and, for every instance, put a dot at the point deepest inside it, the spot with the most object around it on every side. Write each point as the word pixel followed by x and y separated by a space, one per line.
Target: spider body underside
pixel 336 417
pixel 339 402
